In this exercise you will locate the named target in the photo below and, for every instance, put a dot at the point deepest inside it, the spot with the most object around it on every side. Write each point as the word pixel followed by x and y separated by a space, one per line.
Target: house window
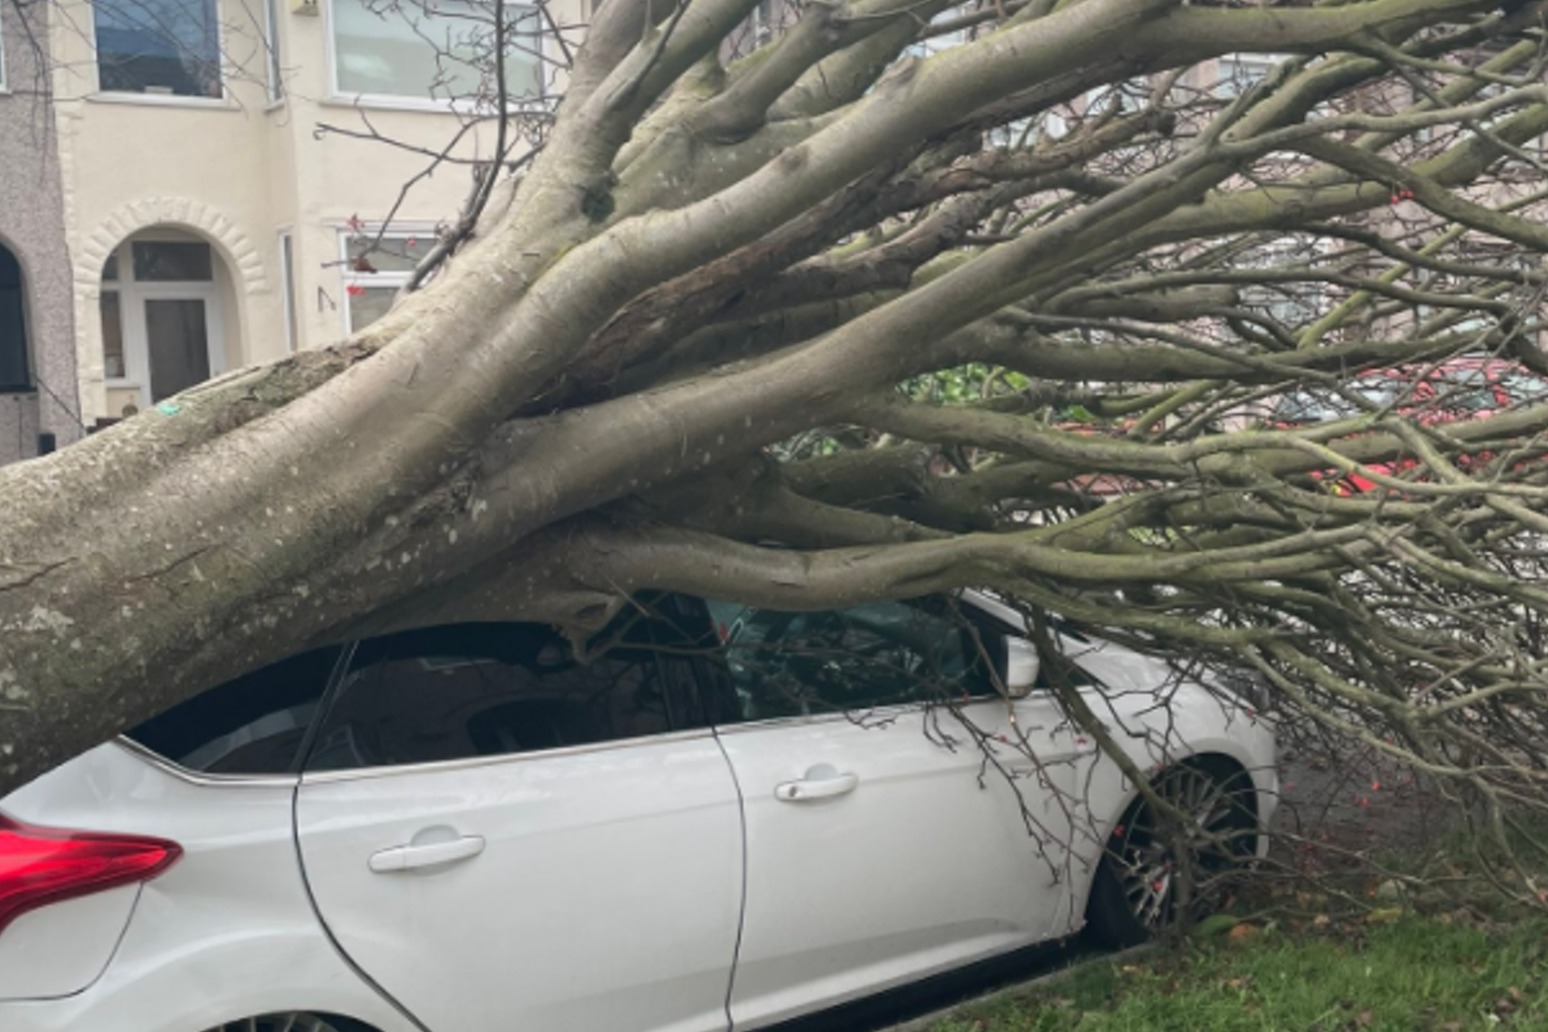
pixel 1239 73
pixel 764 21
pixel 375 270
pixel 440 51
pixel 14 374
pixel 112 312
pixel 169 47
pixel 271 46
pixel 2 50
pixel 288 276
pixel 1127 97
pixel 1292 304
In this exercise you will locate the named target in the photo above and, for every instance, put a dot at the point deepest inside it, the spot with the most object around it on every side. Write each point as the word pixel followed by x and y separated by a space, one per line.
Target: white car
pixel 727 819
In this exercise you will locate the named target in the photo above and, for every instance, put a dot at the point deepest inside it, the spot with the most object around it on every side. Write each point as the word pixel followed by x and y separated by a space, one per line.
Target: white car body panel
pixel 61 949
pixel 921 867
pixel 606 897
pixel 228 931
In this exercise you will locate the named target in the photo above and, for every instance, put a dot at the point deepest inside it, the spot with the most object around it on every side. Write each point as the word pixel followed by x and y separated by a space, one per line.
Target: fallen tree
pixel 912 295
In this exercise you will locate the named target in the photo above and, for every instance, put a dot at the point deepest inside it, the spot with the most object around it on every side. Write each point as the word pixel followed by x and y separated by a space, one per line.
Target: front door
pixel 161 317
pixel 503 838
pixel 177 335
pixel 894 829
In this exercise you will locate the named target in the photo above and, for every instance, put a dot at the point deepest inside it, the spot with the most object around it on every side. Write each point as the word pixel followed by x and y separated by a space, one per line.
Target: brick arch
pixel 241 256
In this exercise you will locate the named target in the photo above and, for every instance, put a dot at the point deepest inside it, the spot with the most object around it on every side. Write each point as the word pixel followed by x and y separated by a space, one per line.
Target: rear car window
pixel 252 725
pixel 484 689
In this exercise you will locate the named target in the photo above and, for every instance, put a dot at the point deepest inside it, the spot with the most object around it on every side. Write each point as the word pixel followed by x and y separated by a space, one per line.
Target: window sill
pixel 384 102
pixel 163 100
pixel 379 102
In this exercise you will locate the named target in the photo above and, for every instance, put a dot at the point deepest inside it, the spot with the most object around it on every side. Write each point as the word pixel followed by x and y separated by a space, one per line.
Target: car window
pixel 1318 404
pixel 1461 391
pixel 874 654
pixel 464 690
pixel 1465 390
pixel 1523 387
pixel 252 725
pixel 678 630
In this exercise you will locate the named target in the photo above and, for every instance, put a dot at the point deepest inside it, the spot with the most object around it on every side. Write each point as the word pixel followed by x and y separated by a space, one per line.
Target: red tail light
pixel 39 866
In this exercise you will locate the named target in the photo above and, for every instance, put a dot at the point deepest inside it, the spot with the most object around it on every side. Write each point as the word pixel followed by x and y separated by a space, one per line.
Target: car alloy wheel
pixel 1151 854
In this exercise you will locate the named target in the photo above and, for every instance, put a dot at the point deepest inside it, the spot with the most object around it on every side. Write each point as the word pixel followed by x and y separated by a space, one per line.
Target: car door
pixel 502 837
pixel 895 827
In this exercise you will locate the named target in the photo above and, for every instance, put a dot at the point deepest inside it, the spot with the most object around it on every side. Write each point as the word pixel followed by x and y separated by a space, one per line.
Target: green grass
pixel 1415 975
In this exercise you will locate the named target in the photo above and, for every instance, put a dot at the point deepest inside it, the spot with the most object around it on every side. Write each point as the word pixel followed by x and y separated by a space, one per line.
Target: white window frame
pixel 395 280
pixel 1228 86
pixel 407 102
pixel 4 83
pixel 287 260
pixel 761 21
pixel 275 83
pixel 168 99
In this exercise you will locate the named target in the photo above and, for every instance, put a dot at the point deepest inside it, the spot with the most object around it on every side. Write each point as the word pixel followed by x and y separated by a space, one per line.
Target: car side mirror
pixel 1022 664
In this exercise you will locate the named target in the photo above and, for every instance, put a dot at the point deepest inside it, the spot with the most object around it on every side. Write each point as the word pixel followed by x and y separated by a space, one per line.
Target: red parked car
pixel 1455 390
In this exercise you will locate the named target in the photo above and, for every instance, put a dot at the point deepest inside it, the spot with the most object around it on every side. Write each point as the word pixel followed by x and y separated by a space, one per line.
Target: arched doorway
pixel 165 301
pixel 15 363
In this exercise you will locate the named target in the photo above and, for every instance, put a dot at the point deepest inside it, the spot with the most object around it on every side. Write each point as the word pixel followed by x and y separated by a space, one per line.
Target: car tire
pixel 1136 892
pixel 292 1021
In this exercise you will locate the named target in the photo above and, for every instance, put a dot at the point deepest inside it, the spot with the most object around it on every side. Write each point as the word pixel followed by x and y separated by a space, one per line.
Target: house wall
pixel 32 228
pixel 238 172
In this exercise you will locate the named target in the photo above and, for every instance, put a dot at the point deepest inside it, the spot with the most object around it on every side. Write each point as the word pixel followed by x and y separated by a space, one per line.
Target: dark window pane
pixel 112 334
pixel 253 725
pixel 13 326
pixel 158 46
pixel 165 261
pixel 179 345
pixel 876 654
pixel 368 304
pixel 678 630
pixel 445 693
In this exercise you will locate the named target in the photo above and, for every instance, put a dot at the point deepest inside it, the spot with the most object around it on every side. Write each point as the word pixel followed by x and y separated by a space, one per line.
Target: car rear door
pixel 503 838
pixel 895 827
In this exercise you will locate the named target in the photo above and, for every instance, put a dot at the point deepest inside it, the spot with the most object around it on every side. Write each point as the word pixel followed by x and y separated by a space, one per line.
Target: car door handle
pixel 408 858
pixel 821 782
